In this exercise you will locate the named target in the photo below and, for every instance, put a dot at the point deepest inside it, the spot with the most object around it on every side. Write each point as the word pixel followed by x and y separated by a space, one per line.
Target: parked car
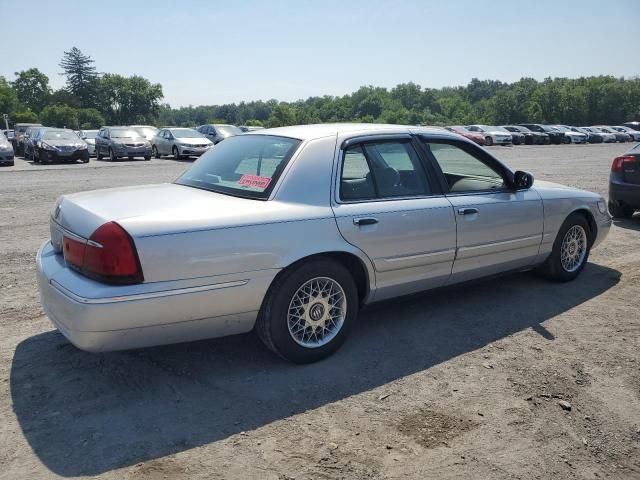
pixel 247 128
pixel 6 152
pixel 147 131
pixel 9 134
pixel 476 137
pixel 492 135
pixel 179 142
pixel 634 134
pixel 530 137
pixel 59 144
pixel 29 140
pixel 118 142
pixel 592 137
pixel 620 137
pixel 571 135
pixel 606 137
pixel 624 184
pixel 632 125
pixel 89 136
pixel 20 129
pixel 218 132
pixel 555 136
pixel 275 231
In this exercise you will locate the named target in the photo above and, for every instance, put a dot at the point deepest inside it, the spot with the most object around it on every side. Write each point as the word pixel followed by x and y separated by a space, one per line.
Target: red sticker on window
pixel 254 181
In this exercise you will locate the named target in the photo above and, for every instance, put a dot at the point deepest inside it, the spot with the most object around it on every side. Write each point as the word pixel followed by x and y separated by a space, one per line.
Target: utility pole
pixel 6 121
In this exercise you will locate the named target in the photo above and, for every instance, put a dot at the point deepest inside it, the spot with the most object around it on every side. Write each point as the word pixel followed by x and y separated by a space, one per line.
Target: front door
pixel 499 228
pixel 388 207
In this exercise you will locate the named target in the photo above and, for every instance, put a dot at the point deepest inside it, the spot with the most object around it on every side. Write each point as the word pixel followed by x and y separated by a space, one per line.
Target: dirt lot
pixel 460 383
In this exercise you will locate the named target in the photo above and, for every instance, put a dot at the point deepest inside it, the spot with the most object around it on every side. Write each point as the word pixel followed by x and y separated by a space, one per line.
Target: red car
pixel 475 136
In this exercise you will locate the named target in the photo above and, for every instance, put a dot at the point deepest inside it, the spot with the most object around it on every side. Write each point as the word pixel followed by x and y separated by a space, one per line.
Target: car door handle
pixel 365 221
pixel 467 211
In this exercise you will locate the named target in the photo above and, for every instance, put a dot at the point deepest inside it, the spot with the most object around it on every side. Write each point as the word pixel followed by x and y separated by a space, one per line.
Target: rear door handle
pixel 365 221
pixel 467 211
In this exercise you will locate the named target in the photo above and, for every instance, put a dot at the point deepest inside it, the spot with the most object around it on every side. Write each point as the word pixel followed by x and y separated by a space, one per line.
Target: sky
pixel 214 52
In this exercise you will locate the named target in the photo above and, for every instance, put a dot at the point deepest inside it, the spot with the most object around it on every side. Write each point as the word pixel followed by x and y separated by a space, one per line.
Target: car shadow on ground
pixel 632 223
pixel 85 414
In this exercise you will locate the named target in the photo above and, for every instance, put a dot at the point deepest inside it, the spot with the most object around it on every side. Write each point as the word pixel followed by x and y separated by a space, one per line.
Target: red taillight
pixel 109 255
pixel 619 163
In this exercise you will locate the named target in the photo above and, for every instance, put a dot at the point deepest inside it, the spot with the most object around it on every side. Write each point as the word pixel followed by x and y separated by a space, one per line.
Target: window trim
pixel 476 152
pixel 433 184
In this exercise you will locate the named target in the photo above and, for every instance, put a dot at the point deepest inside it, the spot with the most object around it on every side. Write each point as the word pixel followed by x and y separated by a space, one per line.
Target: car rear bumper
pixel 157 316
pixel 627 193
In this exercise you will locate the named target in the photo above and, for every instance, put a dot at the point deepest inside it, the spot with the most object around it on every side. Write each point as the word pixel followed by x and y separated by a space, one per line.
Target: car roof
pixel 310 132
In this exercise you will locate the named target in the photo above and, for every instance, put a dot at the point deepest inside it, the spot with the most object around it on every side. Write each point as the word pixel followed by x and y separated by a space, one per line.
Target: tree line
pixel 90 99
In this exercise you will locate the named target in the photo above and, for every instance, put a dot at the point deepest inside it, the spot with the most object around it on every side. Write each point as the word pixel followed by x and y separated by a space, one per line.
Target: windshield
pixel 244 166
pixel 90 133
pixel 60 135
pixel 228 130
pixel 147 132
pixel 185 133
pixel 124 133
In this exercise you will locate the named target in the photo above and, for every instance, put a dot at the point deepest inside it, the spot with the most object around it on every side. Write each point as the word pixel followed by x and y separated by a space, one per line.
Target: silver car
pixel 289 231
pixel 492 135
pixel 218 132
pixel 179 142
pixel 89 136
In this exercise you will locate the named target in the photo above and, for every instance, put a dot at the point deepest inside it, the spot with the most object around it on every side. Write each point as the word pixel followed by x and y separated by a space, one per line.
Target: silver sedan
pixel 289 231
pixel 179 142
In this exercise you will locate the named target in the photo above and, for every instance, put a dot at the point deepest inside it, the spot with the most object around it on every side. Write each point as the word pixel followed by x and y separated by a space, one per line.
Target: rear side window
pixel 244 165
pixel 388 169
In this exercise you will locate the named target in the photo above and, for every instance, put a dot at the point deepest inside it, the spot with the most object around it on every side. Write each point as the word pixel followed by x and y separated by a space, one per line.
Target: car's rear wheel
pixel 176 153
pixel 154 151
pixel 98 154
pixel 620 210
pixel 488 141
pixel 570 250
pixel 309 310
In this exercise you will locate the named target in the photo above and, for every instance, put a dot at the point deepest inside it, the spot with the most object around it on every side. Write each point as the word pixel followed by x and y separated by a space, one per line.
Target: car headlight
pixel 46 146
pixel 184 145
pixel 602 206
pixel 82 147
pixel 4 148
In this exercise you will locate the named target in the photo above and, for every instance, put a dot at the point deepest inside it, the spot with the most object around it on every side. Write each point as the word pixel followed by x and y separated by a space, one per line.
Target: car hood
pixel 169 208
pixel 557 190
pixel 194 141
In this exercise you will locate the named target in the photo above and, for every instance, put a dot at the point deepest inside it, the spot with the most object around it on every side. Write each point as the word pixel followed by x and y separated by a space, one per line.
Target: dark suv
pixel 624 184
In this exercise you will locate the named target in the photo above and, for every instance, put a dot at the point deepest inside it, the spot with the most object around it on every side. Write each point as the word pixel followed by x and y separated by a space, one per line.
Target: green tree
pixel 8 97
pixel 282 115
pixel 90 118
pixel 25 116
pixel 253 123
pixel 81 76
pixel 128 100
pixel 32 88
pixel 60 116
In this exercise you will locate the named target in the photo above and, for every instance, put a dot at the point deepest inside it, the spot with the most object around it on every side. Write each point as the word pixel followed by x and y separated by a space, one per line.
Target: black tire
pixel 619 210
pixel 553 267
pixel 567 139
pixel 112 158
pixel 176 153
pixel 272 324
pixel 147 157
pixel 488 141
pixel 155 153
pixel 98 154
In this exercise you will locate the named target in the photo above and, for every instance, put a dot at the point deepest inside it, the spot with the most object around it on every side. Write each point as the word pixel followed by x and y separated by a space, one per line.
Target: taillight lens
pixel 619 163
pixel 108 256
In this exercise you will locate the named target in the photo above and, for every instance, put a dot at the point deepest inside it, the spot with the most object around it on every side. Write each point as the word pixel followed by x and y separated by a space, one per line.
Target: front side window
pixel 387 169
pixel 244 166
pixel 464 171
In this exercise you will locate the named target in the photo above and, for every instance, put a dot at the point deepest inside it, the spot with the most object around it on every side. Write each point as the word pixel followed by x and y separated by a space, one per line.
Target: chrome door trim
pixel 145 296
pixel 487 248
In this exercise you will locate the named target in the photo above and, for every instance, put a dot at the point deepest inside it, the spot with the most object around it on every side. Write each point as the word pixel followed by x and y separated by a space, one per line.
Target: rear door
pixel 387 205
pixel 498 228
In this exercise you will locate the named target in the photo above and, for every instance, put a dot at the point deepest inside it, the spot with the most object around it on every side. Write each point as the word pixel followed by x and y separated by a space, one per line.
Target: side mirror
pixel 522 180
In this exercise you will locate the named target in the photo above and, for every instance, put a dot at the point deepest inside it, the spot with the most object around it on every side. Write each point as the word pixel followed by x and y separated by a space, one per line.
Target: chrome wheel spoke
pixel 316 312
pixel 573 249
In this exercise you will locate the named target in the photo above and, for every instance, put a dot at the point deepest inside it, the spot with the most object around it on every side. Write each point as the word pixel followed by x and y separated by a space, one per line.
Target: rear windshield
pixel 244 166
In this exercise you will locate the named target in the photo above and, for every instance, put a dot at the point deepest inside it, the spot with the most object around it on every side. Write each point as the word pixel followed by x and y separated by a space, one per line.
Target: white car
pixel 179 142
pixel 606 136
pixel 89 136
pixel 492 135
pixel 634 134
pixel 571 135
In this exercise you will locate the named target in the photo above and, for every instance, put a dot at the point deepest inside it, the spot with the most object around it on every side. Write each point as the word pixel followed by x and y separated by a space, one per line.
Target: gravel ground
pixel 513 377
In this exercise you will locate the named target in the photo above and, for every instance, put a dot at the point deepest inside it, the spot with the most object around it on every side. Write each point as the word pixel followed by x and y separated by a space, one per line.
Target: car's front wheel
pixel 570 250
pixel 112 157
pixel 308 312
pixel 154 151
pixel 488 141
pixel 176 153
